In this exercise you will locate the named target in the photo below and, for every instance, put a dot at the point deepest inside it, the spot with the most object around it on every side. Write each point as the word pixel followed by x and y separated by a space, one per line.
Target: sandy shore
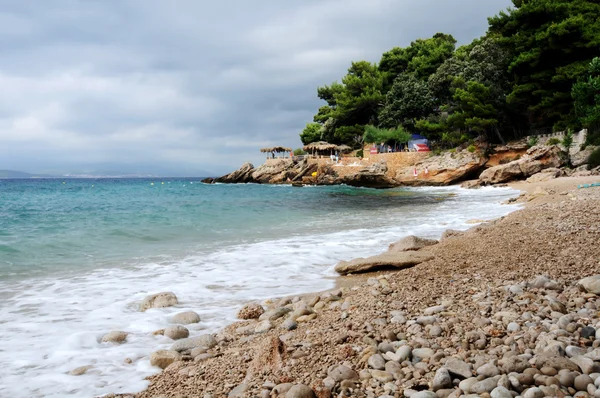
pixel 486 316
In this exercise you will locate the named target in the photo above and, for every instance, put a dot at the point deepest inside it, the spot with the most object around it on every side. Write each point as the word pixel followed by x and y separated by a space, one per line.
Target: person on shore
pixel 415 173
pixel 426 172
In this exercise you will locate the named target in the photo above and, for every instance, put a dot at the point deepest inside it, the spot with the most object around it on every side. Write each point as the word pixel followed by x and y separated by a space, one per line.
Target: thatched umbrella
pixel 276 149
pixel 320 146
pixel 344 148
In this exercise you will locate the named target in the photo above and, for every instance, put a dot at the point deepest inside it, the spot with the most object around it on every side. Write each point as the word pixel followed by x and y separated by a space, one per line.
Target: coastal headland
pixel 481 166
pixel 507 308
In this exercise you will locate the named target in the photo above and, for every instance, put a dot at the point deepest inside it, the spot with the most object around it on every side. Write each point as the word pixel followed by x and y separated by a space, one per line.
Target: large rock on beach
pixel 186 318
pixel 115 336
pixel 205 340
pixel 176 332
pixel 387 260
pixel 411 242
pixel 535 160
pixel 159 300
pixel 163 358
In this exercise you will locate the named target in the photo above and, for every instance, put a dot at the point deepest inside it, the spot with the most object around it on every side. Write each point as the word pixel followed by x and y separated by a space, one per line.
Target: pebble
pixel 581 382
pixel 381 375
pixel 501 392
pixel 534 392
pixel 342 372
pixel 376 361
pixel 176 332
pixel 441 379
pixel 588 332
pixel 488 370
pixel 300 391
pixel 422 353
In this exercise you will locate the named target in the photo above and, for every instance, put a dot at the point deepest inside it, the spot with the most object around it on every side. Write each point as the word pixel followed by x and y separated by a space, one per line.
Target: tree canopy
pixel 529 73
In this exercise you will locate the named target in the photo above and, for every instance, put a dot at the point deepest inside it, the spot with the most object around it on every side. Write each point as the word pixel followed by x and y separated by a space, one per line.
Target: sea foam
pixel 52 325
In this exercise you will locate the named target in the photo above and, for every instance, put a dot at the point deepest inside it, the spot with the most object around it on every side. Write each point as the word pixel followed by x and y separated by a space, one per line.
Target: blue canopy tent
pixel 417 139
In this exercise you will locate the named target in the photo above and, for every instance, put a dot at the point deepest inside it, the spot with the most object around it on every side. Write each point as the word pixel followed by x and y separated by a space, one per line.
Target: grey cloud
pixel 188 85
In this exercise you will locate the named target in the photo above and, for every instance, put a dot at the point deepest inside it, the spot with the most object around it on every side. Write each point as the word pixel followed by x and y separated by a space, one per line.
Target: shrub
pixel 453 150
pixel 553 141
pixel 567 140
pixel 299 152
pixel 471 148
pixel 594 159
pixel 359 153
pixel 437 152
pixel 533 141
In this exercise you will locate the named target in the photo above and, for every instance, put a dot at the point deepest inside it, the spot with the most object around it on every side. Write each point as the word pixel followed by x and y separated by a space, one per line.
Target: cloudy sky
pixel 182 87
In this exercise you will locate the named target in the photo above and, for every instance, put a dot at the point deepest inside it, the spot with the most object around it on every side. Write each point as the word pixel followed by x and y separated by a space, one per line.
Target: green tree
pixel 394 136
pixel 311 133
pixel 586 94
pixel 421 58
pixel 551 42
pixel 474 113
pixel 409 99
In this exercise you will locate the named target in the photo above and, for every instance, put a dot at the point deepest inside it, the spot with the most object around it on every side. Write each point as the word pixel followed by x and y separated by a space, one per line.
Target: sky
pixel 188 87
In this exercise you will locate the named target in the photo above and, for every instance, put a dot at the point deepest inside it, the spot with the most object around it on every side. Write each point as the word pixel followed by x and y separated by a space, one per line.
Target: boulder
pixel 535 160
pixel 205 340
pixel 386 260
pixel 580 158
pixel 163 358
pixel 251 311
pixel 242 175
pixel 411 242
pixel 117 337
pixel 159 300
pixel 186 318
pixel 176 332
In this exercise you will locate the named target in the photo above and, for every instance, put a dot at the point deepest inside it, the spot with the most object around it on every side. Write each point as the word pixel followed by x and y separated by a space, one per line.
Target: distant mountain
pixel 22 174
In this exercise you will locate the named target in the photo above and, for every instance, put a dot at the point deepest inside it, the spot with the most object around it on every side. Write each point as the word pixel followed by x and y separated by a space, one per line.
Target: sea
pixel 77 256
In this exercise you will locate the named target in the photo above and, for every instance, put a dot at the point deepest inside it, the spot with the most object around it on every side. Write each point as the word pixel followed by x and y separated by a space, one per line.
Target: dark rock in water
pixel 588 332
pixel 373 176
pixel 208 180
pixel 242 175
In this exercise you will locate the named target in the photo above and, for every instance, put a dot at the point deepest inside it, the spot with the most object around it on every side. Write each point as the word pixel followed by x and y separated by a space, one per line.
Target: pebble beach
pixel 508 308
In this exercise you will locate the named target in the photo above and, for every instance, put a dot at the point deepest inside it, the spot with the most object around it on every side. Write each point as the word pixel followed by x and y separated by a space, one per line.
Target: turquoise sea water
pixel 77 256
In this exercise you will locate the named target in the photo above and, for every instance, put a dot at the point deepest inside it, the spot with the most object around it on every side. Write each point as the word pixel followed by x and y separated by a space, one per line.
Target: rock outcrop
pixel 241 175
pixel 373 176
pixel 446 169
pixel 535 160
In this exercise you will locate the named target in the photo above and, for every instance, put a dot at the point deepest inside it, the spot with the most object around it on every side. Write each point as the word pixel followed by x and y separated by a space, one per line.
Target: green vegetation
pixel 553 141
pixel 567 140
pixel 299 152
pixel 388 136
pixel 471 148
pixel 533 72
pixel 533 141
pixel 594 159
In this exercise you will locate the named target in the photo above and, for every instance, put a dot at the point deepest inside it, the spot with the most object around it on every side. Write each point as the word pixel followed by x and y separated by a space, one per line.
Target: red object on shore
pixel 373 150
pixel 422 148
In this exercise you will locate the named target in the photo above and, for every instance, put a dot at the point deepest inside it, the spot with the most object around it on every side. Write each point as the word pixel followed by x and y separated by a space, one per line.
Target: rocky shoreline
pixel 506 164
pixel 508 308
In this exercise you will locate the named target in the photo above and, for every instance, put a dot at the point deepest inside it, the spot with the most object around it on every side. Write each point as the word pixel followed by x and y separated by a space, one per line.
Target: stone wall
pixel 578 138
pixel 396 160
